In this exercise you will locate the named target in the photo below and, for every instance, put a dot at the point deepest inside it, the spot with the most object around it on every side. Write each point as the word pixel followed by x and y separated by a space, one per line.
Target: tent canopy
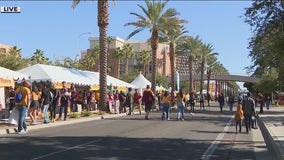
pixel 10 74
pixel 40 72
pixel 140 81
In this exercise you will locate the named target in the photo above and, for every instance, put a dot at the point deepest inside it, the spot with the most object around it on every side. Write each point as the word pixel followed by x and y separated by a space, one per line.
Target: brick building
pixel 163 60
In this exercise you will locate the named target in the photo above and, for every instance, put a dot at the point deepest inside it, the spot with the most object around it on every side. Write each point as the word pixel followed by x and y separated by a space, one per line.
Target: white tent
pixel 141 82
pixel 95 76
pixel 40 72
pixel 7 73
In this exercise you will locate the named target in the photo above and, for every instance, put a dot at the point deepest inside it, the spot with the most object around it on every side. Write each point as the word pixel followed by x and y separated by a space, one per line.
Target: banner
pixel 6 82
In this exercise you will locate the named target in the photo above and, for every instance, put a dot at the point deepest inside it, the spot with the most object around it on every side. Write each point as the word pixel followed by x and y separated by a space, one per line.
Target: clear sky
pixel 55 27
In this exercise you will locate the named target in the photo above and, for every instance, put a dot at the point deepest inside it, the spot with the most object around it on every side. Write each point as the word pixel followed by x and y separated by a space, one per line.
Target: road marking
pixel 67 149
pixel 210 150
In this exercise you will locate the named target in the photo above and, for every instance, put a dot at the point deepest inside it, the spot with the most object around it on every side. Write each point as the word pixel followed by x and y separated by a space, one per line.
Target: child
pixel 239 115
pixel 253 119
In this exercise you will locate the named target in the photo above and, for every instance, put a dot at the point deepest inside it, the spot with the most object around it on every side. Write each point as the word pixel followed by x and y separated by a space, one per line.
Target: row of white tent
pixel 41 72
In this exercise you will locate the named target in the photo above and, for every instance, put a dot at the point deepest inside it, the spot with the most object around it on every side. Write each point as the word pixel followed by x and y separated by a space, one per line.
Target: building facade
pixel 117 66
pixel 4 48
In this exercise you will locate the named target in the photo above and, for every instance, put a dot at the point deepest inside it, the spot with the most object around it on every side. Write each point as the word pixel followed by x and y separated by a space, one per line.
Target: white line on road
pixel 207 154
pixel 67 149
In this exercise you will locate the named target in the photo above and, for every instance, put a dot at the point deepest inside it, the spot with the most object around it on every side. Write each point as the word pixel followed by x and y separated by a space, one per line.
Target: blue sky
pixel 54 27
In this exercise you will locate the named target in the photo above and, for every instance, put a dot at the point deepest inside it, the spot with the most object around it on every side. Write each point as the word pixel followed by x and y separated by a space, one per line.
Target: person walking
pixel 34 106
pixel 148 99
pixel 166 99
pixel 22 98
pixel 192 102
pixel 137 97
pixel 231 102
pixel 45 101
pixel 129 101
pixel 64 100
pixel 249 109
pixel 221 100
pixel 54 103
pixel 180 105
pixel 268 102
pixel 239 115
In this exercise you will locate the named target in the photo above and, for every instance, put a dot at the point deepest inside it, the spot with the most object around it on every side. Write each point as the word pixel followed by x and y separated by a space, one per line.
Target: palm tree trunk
pixel 201 75
pixel 126 65
pixel 118 68
pixel 208 85
pixel 190 59
pixel 103 23
pixel 172 62
pixel 144 69
pixel 154 46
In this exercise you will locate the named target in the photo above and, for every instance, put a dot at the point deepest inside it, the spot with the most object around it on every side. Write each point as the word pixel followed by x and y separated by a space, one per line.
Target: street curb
pixel 60 123
pixel 272 145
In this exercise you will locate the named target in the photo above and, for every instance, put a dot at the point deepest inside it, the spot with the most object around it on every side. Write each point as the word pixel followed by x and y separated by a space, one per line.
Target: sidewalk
pixel 271 124
pixel 7 128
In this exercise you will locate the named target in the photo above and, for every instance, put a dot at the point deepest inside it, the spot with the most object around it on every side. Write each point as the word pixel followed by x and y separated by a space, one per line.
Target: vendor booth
pixel 7 80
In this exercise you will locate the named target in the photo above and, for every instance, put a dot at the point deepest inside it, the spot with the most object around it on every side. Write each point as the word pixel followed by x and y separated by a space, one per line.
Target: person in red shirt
pixel 137 98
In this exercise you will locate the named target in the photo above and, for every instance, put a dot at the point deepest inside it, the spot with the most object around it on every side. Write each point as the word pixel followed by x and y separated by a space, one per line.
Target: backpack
pixel 19 96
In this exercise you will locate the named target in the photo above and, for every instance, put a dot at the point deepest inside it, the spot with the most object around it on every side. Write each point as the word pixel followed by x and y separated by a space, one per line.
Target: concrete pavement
pixel 271 124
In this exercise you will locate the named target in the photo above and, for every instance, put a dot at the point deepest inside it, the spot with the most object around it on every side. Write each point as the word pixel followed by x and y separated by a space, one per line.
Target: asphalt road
pixel 205 135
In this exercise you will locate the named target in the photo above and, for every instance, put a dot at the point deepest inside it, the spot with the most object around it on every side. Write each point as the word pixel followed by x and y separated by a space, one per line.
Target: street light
pixel 77 42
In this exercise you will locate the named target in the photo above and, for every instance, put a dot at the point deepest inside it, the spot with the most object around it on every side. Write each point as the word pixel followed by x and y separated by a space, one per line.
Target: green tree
pixel 13 59
pixel 206 53
pixel 171 35
pixel 39 58
pixel 192 47
pixel 89 60
pixel 66 62
pixel 156 17
pixel 102 16
pixel 144 58
pixel 125 52
pixel 267 44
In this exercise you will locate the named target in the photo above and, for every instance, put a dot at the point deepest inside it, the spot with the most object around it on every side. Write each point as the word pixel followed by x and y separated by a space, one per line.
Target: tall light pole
pixel 77 42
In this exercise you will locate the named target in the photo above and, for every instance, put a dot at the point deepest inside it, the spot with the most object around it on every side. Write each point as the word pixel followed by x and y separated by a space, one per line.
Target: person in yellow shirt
pixel 180 105
pixel 166 105
pixel 34 107
pixel 22 105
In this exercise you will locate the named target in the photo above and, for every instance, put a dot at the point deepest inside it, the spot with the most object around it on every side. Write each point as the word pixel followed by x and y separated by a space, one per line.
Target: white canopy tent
pixel 95 76
pixel 141 82
pixel 7 73
pixel 40 72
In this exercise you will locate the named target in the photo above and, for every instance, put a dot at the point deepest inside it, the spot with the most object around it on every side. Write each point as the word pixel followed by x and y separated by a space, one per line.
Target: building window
pixel 2 50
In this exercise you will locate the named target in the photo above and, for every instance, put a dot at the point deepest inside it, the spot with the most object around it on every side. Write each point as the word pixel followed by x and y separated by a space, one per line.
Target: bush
pixel 86 113
pixel 101 113
pixel 74 115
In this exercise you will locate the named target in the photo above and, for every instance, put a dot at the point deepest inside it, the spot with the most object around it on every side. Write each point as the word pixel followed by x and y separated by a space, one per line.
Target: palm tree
pixel 156 19
pixel 206 53
pixel 39 58
pixel 172 34
pixel 143 59
pixel 191 47
pixel 13 59
pixel 102 23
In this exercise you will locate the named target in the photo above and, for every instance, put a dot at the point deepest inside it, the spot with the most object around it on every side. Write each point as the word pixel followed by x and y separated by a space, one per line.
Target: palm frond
pixel 75 3
pixel 134 33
